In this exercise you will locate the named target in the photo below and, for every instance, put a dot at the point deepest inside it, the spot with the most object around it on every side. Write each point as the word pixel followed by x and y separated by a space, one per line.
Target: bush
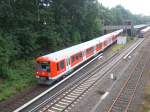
pixel 16 78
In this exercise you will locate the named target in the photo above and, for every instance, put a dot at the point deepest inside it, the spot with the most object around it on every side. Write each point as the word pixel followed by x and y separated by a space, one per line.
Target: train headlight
pixel 37 77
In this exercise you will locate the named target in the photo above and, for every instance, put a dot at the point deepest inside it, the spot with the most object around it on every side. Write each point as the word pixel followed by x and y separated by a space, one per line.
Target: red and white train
pixel 144 32
pixel 55 65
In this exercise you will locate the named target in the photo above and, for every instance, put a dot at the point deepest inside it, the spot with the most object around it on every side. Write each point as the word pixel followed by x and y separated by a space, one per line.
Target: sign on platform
pixel 121 40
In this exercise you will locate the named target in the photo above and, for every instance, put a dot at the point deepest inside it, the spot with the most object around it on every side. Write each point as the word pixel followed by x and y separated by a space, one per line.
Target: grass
pixel 117 47
pixel 20 77
pixel 131 39
pixel 145 107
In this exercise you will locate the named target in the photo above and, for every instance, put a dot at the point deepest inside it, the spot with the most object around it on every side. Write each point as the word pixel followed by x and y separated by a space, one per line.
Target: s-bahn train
pixel 53 66
pixel 144 32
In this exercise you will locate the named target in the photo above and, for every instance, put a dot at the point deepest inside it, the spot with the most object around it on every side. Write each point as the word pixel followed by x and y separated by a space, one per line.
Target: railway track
pixel 74 91
pixel 122 102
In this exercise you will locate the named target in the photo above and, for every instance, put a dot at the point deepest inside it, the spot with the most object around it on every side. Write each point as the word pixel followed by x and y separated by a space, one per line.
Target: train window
pixel 62 64
pixel 68 61
pixel 104 42
pixel 72 59
pixel 57 66
pixel 99 45
pixel 86 51
pixel 77 57
pixel 45 66
pixel 90 50
pixel 80 55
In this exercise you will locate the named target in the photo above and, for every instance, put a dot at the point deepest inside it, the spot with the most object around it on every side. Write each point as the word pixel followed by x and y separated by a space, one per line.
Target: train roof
pixel 145 29
pixel 118 31
pixel 140 26
pixel 62 54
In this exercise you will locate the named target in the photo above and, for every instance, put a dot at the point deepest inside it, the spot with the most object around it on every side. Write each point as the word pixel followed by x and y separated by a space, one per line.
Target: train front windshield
pixel 45 66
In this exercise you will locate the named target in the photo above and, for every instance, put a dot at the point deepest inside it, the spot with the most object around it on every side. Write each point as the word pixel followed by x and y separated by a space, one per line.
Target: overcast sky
pixel 135 6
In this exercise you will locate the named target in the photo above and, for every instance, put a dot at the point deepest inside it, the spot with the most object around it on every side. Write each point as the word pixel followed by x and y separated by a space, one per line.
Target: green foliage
pixel 21 75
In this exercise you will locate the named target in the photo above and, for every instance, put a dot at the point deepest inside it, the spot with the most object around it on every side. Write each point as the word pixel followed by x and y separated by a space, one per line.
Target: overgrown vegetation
pixel 145 107
pixel 117 47
pixel 30 28
pixel 20 75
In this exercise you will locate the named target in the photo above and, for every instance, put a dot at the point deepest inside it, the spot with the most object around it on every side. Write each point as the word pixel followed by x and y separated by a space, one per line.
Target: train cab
pixel 43 69
pixel 141 35
pixel 144 32
pixel 48 69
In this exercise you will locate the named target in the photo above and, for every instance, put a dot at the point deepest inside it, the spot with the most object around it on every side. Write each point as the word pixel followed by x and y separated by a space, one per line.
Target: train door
pixel 103 45
pixel 68 63
pixel 95 49
pixel 84 54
